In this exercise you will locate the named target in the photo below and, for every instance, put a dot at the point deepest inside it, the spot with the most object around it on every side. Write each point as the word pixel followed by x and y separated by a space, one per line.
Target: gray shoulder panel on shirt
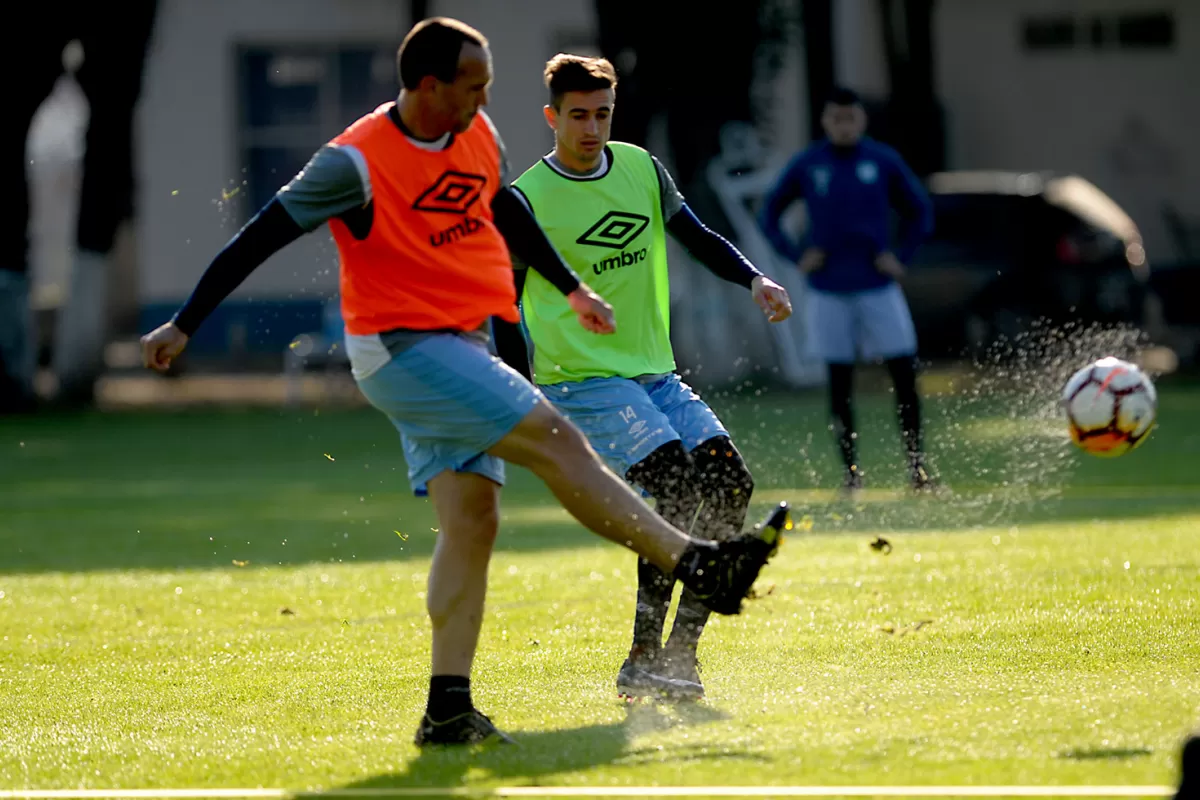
pixel 334 181
pixel 504 167
pixel 672 199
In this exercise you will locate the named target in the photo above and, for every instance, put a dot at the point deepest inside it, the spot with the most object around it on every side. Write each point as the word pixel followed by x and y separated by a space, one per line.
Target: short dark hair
pixel 432 47
pixel 570 73
pixel 842 96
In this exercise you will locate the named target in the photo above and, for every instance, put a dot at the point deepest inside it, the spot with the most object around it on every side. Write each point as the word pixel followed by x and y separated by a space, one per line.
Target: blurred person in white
pixel 114 53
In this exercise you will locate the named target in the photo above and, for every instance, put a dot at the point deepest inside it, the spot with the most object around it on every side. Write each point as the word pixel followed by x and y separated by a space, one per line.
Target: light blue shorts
pixel 451 400
pixel 846 326
pixel 628 419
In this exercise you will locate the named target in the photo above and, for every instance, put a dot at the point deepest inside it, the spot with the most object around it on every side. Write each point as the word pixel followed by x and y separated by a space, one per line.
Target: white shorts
pixel 847 326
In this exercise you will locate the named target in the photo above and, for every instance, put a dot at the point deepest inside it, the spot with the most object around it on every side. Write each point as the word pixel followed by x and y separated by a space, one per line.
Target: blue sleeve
pixel 334 181
pixel 787 189
pixel 916 209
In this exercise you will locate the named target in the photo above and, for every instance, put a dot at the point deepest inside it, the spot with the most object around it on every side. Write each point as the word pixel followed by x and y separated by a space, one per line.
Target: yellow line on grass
pixel 601 791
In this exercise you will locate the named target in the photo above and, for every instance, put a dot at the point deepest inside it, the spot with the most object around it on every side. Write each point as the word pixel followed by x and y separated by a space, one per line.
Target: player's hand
pixel 594 313
pixel 771 298
pixel 888 264
pixel 812 260
pixel 161 345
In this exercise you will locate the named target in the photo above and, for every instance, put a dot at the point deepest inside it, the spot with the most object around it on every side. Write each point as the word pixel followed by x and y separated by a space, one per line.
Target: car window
pixel 976 229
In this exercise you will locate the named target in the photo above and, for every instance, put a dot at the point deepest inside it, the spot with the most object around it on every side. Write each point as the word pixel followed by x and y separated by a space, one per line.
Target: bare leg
pixel 554 450
pixel 468 512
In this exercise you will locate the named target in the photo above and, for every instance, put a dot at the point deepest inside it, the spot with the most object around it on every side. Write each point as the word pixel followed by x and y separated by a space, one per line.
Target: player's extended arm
pixel 330 184
pixel 711 249
pixel 725 261
pixel 526 239
pixel 269 231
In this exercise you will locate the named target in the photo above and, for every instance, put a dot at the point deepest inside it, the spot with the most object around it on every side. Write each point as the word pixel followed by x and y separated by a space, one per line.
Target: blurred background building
pixel 986 98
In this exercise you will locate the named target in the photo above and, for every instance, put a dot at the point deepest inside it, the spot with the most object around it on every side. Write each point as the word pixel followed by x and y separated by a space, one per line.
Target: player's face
pixel 462 99
pixel 844 125
pixel 583 123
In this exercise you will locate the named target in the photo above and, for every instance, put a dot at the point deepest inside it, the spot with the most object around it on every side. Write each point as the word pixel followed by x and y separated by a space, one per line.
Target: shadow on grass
pixel 1105 753
pixel 538 756
pixel 207 490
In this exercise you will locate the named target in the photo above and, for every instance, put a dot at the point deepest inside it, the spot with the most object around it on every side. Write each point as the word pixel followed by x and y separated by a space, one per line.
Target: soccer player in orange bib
pixel 416 194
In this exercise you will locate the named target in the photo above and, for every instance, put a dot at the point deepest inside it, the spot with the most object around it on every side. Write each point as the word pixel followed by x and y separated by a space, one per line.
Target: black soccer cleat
pixel 852 485
pixel 638 680
pixel 721 574
pixel 472 727
pixel 918 474
pixel 1189 770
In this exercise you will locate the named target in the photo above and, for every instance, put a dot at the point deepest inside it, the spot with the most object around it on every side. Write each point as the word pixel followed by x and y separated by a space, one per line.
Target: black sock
pixel 449 696
pixel 841 387
pixel 653 602
pixel 669 475
pixel 690 619
pixel 726 485
pixel 908 407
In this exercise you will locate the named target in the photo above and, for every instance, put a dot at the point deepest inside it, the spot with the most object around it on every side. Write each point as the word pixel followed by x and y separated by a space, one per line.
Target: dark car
pixel 1011 248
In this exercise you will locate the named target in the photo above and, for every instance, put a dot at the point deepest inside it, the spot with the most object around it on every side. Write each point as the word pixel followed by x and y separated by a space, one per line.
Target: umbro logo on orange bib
pixel 452 193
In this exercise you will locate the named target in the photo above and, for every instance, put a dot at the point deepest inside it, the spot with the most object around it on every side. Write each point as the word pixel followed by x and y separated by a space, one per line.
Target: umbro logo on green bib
pixel 614 230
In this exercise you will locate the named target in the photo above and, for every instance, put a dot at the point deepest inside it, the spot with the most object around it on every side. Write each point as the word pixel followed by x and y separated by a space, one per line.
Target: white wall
pixel 1123 119
pixel 859 58
pixel 187 135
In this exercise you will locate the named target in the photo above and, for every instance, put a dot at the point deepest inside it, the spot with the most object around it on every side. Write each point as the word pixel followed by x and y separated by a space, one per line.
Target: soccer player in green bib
pixel 607 207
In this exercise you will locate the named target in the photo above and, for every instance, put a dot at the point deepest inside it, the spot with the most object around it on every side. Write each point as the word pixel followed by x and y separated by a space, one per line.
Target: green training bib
pixel 610 230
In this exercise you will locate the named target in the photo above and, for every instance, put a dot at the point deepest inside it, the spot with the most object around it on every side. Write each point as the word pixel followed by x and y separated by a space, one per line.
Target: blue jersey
pixel 849 195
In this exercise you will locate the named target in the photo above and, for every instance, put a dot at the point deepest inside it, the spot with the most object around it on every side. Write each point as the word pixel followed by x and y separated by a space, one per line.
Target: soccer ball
pixel 1110 406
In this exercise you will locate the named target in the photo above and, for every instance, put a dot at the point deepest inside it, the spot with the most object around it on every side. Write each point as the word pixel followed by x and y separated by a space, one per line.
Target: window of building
pixel 1146 30
pixel 1129 31
pixel 294 98
pixel 1050 33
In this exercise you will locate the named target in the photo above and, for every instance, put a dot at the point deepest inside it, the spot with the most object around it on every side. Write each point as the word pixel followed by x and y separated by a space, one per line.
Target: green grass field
pixel 220 599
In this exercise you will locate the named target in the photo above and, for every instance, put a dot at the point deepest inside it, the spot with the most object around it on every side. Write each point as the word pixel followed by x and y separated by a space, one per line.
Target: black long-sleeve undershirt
pixel 273 228
pixel 710 248
pixel 528 241
pixel 509 339
pixel 268 232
